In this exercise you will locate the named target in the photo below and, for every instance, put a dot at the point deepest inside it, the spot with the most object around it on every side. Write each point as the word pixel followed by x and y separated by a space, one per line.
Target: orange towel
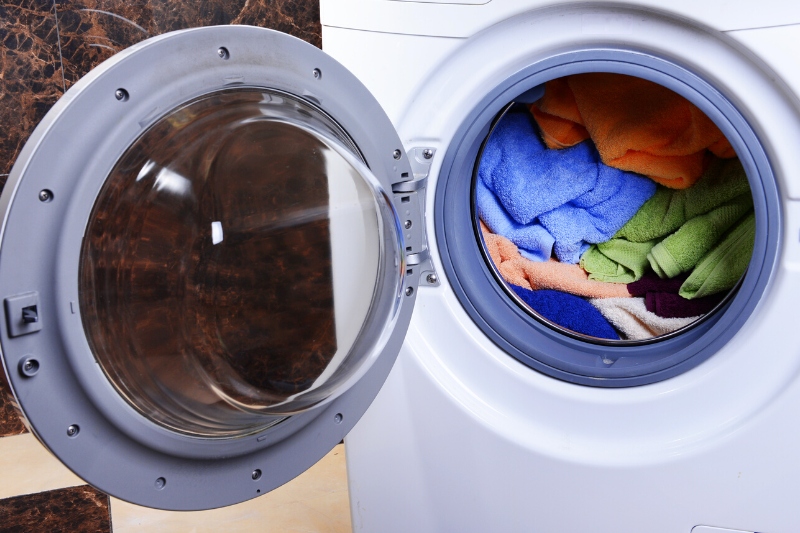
pixel 552 274
pixel 637 125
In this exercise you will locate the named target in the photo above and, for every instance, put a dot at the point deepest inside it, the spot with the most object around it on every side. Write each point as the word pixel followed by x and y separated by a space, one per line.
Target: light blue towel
pixel 548 201
pixel 533 240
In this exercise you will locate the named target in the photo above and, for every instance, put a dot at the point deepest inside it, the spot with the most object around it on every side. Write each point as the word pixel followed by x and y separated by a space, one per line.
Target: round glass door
pixel 214 289
pixel 218 282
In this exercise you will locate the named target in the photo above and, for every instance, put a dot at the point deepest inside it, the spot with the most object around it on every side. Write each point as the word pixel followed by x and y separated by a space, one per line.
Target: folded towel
pixel 723 266
pixel 535 196
pixel 634 321
pixel 636 124
pixel 520 271
pixel 623 259
pixel 669 305
pixel 567 311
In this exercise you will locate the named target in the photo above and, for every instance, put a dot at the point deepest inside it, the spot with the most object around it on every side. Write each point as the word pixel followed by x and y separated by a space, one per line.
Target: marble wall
pixel 48 45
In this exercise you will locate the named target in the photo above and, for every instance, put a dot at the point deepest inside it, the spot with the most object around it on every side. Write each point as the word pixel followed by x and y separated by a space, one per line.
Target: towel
pixel 637 125
pixel 650 283
pixel 681 251
pixel 661 297
pixel 668 305
pixel 623 259
pixel 549 201
pixel 634 321
pixel 568 311
pixel 723 266
pixel 535 242
pixel 528 274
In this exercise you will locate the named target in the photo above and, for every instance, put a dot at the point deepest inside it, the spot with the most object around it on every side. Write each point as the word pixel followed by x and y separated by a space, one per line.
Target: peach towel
pixel 637 125
pixel 552 274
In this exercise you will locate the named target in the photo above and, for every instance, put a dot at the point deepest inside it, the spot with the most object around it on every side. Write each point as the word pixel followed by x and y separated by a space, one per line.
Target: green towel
pixel 722 267
pixel 624 258
pixel 617 260
pixel 682 250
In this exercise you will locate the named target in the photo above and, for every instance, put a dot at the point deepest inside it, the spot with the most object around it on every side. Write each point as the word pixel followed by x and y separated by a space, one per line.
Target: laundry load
pixel 631 318
pixel 678 248
pixel 674 230
pixel 548 201
pixel 568 311
pixel 636 125
pixel 661 297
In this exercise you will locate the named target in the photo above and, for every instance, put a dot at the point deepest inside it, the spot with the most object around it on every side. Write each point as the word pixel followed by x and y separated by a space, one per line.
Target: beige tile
pixel 27 467
pixel 315 502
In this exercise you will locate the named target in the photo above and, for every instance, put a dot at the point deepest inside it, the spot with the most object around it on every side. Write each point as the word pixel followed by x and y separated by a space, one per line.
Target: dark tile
pixel 10 422
pixel 295 17
pixel 94 30
pixel 75 510
pixel 30 80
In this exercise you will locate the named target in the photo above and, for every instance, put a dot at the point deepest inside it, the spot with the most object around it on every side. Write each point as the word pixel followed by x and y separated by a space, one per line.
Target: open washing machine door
pixel 210 253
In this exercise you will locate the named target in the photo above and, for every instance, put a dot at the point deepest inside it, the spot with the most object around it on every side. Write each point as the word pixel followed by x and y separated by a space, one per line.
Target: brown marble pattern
pixel 33 75
pixel 30 72
pixel 10 423
pixel 73 510
pixel 94 30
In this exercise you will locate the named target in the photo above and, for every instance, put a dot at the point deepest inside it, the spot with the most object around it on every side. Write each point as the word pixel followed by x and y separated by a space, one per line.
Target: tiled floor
pixel 314 502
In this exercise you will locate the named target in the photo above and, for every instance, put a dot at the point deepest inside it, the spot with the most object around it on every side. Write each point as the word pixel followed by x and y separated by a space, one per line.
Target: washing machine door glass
pixel 213 289
pixel 219 280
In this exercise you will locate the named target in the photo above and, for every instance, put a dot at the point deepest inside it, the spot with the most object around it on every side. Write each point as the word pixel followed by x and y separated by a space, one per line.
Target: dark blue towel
pixel 569 311
pixel 535 196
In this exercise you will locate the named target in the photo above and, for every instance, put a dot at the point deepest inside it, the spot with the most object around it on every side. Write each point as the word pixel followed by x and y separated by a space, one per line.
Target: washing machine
pixel 222 244
pixel 491 422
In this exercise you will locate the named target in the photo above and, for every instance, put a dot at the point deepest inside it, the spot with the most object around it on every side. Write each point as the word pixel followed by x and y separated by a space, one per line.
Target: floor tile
pixel 27 467
pixel 314 502
pixel 71 510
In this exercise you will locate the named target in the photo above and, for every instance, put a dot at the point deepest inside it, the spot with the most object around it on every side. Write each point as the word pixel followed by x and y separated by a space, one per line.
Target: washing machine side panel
pixel 458 20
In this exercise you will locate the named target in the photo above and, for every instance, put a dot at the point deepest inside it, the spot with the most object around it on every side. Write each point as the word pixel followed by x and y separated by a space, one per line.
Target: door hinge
pixel 409 197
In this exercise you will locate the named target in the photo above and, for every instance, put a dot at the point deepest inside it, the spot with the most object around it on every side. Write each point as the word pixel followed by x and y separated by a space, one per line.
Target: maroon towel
pixel 661 297
pixel 650 282
pixel 669 305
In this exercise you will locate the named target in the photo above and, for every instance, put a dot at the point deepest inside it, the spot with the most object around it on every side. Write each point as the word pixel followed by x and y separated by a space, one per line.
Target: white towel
pixel 632 319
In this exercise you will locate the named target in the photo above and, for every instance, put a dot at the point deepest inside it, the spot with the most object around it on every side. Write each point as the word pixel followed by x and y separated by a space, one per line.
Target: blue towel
pixel 569 311
pixel 535 196
pixel 533 240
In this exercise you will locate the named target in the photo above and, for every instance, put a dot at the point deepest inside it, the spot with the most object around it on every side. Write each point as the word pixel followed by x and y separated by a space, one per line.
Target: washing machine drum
pixel 204 276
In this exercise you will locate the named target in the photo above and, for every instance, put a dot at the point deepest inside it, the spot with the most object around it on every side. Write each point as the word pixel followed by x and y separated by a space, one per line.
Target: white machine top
pixel 463 18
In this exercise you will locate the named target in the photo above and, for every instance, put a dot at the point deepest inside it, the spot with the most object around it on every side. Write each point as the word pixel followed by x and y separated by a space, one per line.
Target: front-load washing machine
pixel 491 421
pixel 211 247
